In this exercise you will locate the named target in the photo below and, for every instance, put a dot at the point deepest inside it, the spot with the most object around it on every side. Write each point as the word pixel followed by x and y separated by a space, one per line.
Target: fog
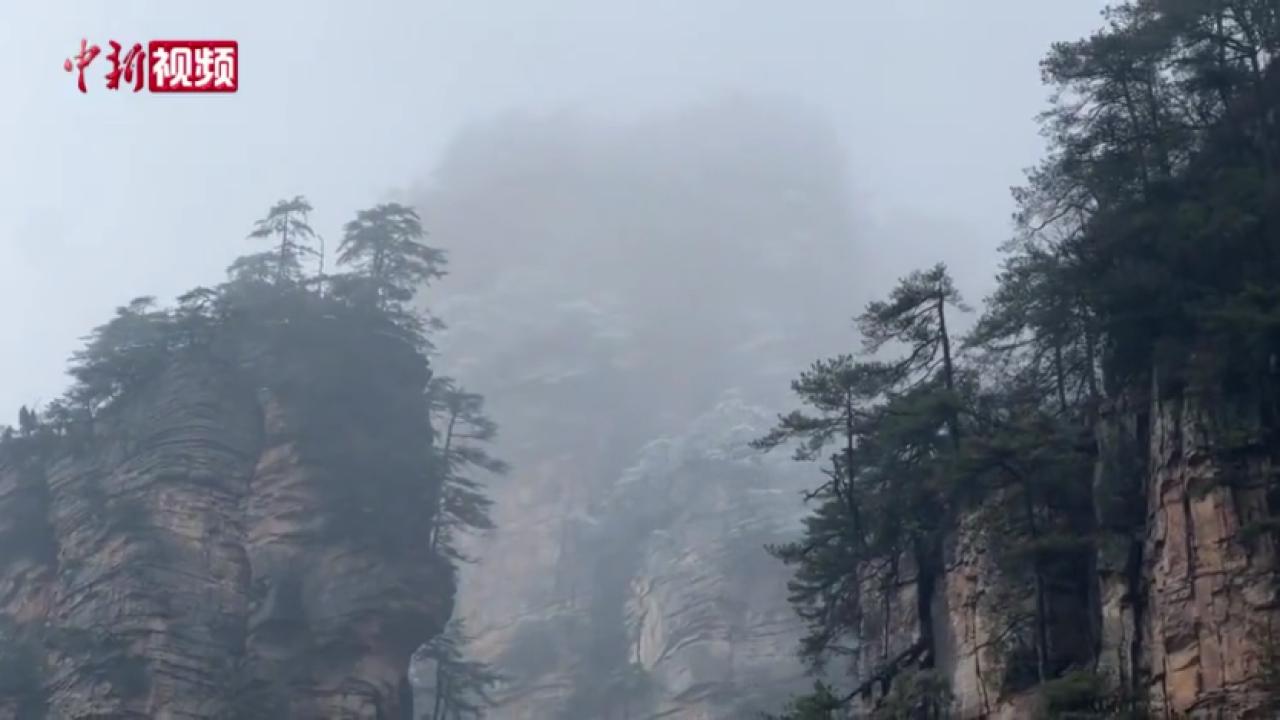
pixel 656 214
pixel 107 196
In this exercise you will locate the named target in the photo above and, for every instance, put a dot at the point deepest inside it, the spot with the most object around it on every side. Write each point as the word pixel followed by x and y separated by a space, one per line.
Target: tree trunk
pixel 925 585
pixel 1091 349
pixel 948 371
pixel 448 444
pixel 284 248
pixel 891 584
pixel 320 274
pixel 406 698
pixel 379 261
pixel 1060 376
pixel 437 712
pixel 1042 622
pixel 850 501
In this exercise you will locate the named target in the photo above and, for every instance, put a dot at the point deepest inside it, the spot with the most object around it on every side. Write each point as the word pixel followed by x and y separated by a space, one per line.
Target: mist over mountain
pixel 683 361
pixel 609 285
pixel 701 242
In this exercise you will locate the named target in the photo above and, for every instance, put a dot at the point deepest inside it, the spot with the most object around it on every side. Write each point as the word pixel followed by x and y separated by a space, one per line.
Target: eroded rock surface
pixel 1182 606
pixel 1211 579
pixel 668 605
pixel 186 571
pixel 707 619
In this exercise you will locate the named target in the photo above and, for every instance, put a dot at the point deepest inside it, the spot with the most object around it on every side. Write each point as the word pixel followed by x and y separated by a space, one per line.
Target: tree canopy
pixel 1145 249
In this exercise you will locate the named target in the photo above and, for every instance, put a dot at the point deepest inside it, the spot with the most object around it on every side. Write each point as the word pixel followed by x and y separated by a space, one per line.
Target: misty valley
pixel 616 421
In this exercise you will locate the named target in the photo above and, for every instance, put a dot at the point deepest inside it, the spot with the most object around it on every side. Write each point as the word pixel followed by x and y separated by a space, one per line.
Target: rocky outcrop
pixel 1211 592
pixel 182 567
pixel 708 625
pixel 969 630
pixel 1182 614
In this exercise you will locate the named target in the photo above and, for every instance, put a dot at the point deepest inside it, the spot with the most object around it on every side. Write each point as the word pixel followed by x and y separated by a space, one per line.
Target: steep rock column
pixel 1119 482
pixel 147 612
pixel 965 629
pixel 709 627
pixel 890 632
pixel 973 624
pixel 176 561
pixel 28 552
pixel 1212 594
pixel 334 621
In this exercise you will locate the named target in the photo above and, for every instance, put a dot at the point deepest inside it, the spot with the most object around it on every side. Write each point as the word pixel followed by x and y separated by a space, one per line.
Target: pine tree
pixel 462 688
pixel 841 546
pixel 893 428
pixel 389 262
pixel 1037 328
pixel 912 691
pixel 821 704
pixel 462 430
pixel 27 421
pixel 1036 499
pixel 1159 148
pixel 1145 249
pixel 121 354
pixel 915 315
pixel 286 222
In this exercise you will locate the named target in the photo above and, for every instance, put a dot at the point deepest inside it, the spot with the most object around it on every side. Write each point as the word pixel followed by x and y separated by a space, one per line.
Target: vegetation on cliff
pixel 1146 251
pixel 343 351
pixel 345 356
pixel 461 688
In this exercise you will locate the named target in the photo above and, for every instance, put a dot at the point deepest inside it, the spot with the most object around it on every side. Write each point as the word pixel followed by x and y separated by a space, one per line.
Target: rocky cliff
pixel 181 555
pixel 1147 587
pixel 708 626
pixel 1180 608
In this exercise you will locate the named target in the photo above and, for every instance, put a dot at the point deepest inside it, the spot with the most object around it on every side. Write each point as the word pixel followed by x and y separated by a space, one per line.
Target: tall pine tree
pixel 286 224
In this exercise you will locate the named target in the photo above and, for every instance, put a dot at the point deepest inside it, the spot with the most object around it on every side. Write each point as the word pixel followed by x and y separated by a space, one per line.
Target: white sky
pixel 107 196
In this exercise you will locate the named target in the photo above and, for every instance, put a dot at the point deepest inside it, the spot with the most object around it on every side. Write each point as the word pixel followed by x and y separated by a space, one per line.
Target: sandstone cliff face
pixel 187 571
pixel 1183 610
pixel 1211 581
